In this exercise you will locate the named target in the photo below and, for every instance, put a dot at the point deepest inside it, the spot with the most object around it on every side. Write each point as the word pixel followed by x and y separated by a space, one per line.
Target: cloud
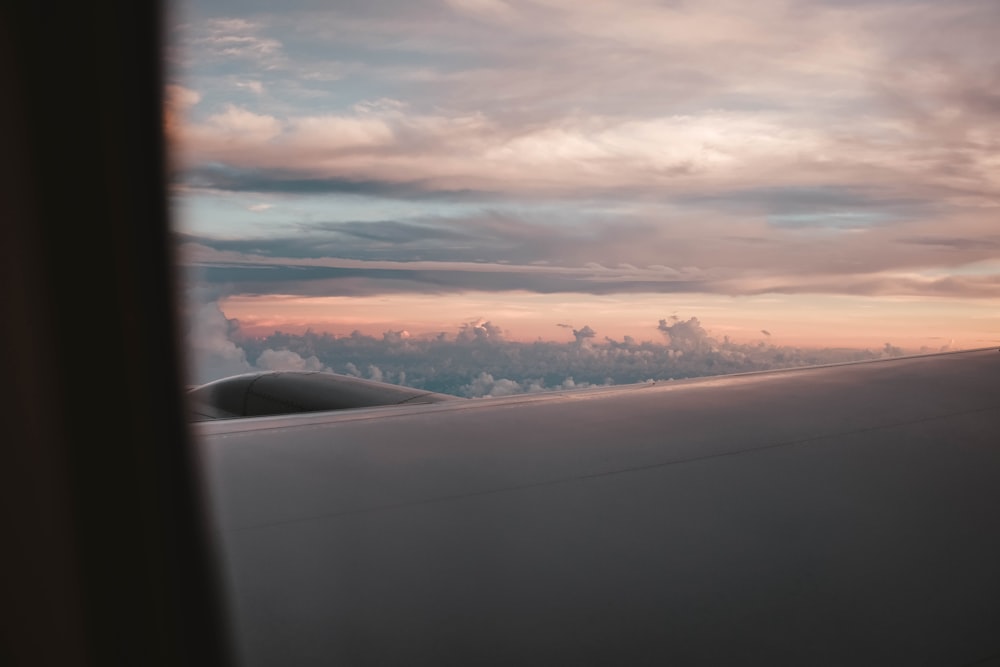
pixel 673 147
pixel 177 104
pixel 289 267
pixel 286 360
pixel 663 97
pixel 686 335
pixel 396 337
pixel 212 353
pixel 475 152
pixel 890 350
pixel 750 249
pixel 255 87
pixel 584 334
pixel 461 363
pixel 234 126
pixel 487 9
pixel 179 99
pixel 480 330
pixel 485 385
pixel 235 38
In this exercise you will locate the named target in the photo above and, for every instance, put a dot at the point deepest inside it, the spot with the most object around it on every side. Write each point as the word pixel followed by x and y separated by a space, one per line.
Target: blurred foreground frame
pixel 107 560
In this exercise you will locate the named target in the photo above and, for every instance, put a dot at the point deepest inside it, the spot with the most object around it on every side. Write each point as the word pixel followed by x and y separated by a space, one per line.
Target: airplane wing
pixel 835 515
pixel 827 516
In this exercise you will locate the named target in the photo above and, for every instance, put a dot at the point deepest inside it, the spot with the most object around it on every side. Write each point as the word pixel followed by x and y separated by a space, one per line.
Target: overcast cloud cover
pixel 715 147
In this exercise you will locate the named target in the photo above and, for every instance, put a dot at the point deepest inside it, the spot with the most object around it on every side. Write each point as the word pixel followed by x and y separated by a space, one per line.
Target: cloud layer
pixel 477 360
pixel 547 146
pixel 559 98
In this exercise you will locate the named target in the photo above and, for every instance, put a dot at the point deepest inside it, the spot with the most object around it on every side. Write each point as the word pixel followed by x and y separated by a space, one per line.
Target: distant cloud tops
pixel 477 360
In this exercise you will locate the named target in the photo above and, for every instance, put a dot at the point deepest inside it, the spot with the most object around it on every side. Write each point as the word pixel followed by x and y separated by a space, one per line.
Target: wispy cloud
pixel 261 266
pixel 235 38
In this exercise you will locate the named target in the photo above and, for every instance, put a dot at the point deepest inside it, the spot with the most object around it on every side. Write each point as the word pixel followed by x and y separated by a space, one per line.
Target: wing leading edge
pixel 840 515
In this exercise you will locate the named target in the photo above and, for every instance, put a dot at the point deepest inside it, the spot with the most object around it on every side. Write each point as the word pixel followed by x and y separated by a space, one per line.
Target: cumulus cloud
pixel 485 385
pixel 212 353
pixel 286 360
pixel 480 330
pixel 216 348
pixel 396 337
pixel 685 335
pixel 465 366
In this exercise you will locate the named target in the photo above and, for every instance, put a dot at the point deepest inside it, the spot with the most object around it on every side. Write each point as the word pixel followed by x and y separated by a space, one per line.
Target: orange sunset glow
pixel 799 321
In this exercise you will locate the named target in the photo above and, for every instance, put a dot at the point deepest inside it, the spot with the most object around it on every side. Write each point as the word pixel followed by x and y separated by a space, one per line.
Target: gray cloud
pixel 989 243
pixel 394 258
pixel 287 181
pixel 633 239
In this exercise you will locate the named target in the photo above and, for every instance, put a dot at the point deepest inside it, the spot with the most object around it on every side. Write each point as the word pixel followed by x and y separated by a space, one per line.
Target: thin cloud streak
pixel 255 274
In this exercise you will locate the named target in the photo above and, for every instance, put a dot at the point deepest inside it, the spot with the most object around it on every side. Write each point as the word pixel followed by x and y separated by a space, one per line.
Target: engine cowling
pixel 291 392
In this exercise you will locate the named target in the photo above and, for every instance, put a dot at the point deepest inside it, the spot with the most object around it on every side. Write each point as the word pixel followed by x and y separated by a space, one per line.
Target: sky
pixel 824 171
